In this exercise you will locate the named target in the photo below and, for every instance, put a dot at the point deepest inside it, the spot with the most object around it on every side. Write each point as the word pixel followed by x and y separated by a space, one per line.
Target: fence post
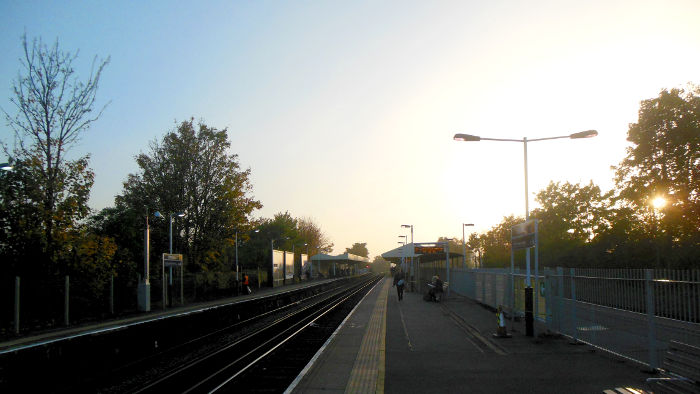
pixel 574 331
pixel 560 301
pixel 548 299
pixel 511 290
pixel 111 294
pixel 16 304
pixel 66 302
pixel 649 285
pixel 165 289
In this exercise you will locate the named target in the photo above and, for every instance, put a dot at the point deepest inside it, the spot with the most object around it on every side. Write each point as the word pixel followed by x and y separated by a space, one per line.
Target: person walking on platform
pixel 246 284
pixel 399 282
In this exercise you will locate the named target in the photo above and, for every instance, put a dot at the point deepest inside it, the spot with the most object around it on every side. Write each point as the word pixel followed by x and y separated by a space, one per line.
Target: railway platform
pixel 61 333
pixel 414 346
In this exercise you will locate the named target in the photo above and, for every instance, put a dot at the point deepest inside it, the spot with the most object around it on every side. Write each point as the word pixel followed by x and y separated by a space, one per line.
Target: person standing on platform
pixel 399 282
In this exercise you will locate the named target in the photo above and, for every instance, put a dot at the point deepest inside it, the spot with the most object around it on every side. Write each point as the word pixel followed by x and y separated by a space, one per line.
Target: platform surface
pixel 414 346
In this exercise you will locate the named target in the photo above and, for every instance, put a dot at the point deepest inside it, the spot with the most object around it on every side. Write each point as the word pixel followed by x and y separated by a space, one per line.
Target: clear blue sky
pixel 345 111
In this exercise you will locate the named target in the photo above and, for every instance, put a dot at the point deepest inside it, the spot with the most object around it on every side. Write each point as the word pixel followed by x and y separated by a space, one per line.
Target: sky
pixel 345 111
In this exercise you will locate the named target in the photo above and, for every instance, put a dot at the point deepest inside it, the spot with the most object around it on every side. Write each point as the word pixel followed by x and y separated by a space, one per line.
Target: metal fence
pixel 630 312
pixel 30 304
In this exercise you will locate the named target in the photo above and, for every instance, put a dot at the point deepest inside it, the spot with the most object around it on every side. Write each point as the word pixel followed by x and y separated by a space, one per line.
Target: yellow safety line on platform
pixel 367 374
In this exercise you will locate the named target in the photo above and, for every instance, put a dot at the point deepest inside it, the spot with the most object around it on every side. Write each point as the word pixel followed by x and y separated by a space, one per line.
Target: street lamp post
pixel 403 259
pixel 144 287
pixel 402 243
pixel 170 243
pixel 413 269
pixel 464 244
pixel 529 319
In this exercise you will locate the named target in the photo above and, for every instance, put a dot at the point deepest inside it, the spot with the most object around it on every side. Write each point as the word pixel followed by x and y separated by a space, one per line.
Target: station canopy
pixel 427 253
pixel 341 258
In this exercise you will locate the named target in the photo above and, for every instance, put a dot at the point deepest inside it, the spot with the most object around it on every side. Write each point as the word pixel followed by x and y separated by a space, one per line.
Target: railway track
pixel 261 354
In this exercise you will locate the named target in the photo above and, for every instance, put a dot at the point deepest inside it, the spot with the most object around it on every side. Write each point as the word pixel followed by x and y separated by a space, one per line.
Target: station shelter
pixel 421 261
pixel 328 266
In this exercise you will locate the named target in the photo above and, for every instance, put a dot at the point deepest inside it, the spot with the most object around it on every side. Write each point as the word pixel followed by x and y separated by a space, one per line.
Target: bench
pixel 681 370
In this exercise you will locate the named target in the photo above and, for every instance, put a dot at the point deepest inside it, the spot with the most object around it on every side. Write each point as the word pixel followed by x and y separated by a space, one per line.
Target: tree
pixel 54 108
pixel 570 217
pixel 312 234
pixel 358 249
pixel 665 161
pixel 191 171
pixel 496 242
pixel 380 266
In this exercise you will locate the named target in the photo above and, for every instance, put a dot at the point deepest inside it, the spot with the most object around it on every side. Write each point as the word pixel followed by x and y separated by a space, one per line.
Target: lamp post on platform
pixel 464 244
pixel 412 276
pixel 529 319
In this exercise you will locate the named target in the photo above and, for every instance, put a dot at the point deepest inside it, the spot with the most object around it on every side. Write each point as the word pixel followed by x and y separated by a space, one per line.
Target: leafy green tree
pixel 495 243
pixel 358 249
pixel 47 196
pixel 664 161
pixel 190 171
pixel 570 217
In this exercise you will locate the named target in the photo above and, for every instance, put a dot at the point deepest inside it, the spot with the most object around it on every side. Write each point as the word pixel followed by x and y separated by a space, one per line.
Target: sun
pixel 658 202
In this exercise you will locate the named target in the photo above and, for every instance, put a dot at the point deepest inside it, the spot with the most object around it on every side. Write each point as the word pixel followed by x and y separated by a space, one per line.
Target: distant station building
pixel 420 261
pixel 328 266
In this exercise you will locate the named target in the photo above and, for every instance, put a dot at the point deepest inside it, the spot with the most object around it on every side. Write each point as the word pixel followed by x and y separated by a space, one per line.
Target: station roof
pixel 345 257
pixel 409 251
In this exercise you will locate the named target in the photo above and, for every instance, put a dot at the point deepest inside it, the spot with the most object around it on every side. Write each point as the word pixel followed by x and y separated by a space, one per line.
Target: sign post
pixel 524 236
pixel 171 260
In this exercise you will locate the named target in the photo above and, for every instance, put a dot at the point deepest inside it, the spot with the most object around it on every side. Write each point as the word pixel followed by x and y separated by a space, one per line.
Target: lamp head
pixel 158 214
pixel 468 224
pixel 584 134
pixel 466 137
pixel 6 167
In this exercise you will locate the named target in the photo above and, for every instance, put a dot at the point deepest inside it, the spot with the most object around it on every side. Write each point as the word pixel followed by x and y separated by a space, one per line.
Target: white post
pixel 66 302
pixel 447 266
pixel 164 280
pixel 574 318
pixel 649 285
pixel 16 304
pixel 111 294
pixel 144 288
pixel 170 280
pixel 527 215
pixel 464 248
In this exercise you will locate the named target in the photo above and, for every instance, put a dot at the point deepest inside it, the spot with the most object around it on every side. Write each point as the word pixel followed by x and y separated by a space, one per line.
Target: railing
pixel 31 304
pixel 630 312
